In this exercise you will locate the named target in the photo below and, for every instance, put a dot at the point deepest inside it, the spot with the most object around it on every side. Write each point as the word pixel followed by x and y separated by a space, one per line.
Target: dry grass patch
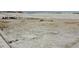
pixel 3 24
pixel 71 22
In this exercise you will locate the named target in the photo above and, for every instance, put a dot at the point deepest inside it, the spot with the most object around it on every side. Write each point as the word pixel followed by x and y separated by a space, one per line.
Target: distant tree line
pixel 9 17
pixel 11 11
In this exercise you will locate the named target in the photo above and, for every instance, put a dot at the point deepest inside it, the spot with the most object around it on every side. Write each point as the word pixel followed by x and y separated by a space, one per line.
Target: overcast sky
pixel 40 5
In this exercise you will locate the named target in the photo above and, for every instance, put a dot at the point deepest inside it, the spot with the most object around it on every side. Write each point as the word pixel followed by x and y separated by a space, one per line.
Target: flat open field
pixel 41 31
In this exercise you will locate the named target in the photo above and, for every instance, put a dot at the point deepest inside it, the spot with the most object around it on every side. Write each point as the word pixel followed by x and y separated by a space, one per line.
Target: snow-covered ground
pixel 49 31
